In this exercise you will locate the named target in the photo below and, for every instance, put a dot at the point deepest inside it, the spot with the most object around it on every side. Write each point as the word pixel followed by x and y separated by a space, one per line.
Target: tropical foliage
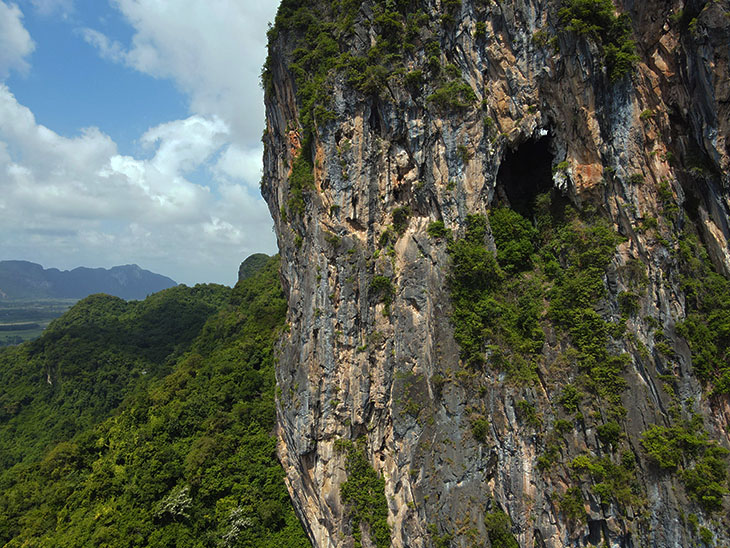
pixel 188 457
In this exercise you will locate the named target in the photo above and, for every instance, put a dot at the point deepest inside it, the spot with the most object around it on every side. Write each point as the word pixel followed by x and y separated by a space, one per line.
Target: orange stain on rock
pixel 295 145
pixel 587 175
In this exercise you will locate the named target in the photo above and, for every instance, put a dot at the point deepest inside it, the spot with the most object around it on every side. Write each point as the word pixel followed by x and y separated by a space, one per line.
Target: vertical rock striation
pixel 395 117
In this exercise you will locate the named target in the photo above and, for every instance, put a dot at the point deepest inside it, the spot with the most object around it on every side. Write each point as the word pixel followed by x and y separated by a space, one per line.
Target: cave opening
pixel 524 174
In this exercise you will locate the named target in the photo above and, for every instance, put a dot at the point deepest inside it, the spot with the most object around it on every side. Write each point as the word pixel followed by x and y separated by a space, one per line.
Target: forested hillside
pixel 89 360
pixel 153 424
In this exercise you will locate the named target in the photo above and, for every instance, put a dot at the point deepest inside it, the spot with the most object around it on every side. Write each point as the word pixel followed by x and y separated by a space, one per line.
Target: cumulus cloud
pixel 240 164
pixel 63 196
pixel 15 42
pixel 183 145
pixel 213 50
pixel 188 204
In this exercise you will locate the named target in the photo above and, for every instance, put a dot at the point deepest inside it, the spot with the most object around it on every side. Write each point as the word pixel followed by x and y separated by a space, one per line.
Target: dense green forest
pixel 89 360
pixel 148 423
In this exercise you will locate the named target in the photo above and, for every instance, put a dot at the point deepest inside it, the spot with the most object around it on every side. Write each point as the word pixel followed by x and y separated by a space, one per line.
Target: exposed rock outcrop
pixel 450 111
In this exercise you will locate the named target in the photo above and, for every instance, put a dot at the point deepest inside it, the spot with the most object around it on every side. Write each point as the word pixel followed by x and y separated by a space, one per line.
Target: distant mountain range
pixel 26 280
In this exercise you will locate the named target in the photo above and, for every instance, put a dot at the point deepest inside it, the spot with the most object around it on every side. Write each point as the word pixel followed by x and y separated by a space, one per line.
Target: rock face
pixel 387 122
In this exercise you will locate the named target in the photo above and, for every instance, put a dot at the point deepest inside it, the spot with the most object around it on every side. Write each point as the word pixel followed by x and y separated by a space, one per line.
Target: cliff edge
pixel 504 236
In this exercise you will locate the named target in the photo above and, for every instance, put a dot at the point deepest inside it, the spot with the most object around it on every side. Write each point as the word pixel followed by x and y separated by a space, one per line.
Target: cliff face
pixel 580 418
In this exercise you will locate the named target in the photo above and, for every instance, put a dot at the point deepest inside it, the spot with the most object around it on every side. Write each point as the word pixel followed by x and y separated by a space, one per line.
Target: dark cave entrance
pixel 524 174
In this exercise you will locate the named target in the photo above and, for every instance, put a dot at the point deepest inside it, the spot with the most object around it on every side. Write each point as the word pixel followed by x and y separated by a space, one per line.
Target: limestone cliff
pixel 403 135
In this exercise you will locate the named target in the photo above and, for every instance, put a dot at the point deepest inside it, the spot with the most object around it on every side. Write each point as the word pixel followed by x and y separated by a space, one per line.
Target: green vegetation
pixel 450 9
pixel 551 273
pixel 611 482
pixel 314 31
pixel 187 459
pixel 499 529
pixel 706 536
pixel 609 434
pixel 489 311
pixel 480 429
pixel 707 324
pixel 514 237
pixel 252 265
pixel 570 399
pixel 646 114
pixel 628 303
pixel 364 492
pixel 464 154
pixel 89 360
pixel 439 541
pixel 636 179
pixel 382 288
pixel 480 30
pixel 301 179
pixel 597 19
pixel 649 223
pixel 318 35
pixel 528 414
pixel 701 462
pixel 576 255
pixel 498 299
pixel 562 166
pixel 314 55
pixel 453 95
pixel 571 504
pixel 387 238
pixel 437 229
pixel 474 276
pixel 400 219
pixel 666 197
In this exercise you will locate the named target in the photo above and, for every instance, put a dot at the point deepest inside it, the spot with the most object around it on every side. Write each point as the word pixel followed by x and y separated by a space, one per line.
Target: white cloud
pixel 15 42
pixel 65 197
pixel 185 144
pixel 111 50
pixel 213 50
pixel 188 206
pixel 242 164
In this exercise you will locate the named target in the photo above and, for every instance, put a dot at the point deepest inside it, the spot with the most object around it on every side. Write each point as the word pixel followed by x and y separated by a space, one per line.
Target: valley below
pixel 25 319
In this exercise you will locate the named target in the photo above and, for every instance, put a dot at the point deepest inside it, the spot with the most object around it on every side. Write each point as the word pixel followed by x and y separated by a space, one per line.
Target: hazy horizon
pixel 167 275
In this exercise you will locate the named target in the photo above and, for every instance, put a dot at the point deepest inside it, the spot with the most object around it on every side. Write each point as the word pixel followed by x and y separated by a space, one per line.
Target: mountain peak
pixel 24 280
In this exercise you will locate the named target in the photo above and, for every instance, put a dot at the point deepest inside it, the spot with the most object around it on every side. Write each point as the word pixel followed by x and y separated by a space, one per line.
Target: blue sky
pixel 130 133
pixel 123 101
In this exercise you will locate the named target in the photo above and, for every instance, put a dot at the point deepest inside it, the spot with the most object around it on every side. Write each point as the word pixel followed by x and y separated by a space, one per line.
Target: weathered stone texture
pixel 347 369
